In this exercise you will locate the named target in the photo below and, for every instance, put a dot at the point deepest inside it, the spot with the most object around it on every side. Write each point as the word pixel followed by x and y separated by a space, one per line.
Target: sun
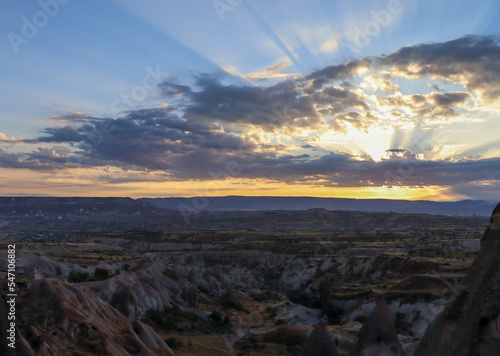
pixel 372 143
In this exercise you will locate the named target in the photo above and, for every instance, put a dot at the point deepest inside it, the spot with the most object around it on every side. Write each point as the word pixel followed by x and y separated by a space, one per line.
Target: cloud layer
pixel 285 132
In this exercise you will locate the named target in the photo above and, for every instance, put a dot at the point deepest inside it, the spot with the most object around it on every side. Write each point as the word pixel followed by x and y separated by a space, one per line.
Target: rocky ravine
pixel 104 317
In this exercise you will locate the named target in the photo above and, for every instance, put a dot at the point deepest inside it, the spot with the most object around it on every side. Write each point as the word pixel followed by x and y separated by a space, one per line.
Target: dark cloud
pixel 154 143
pixel 290 104
pixel 59 134
pixel 236 106
pixel 341 73
pixel 430 106
pixel 449 100
pixel 37 160
pixel 473 61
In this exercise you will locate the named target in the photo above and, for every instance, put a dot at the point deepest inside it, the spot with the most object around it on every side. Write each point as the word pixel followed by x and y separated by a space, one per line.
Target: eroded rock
pixel 320 342
pixel 469 324
pixel 378 336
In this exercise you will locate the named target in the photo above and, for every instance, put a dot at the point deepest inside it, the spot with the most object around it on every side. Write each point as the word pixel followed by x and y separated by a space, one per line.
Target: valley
pixel 230 283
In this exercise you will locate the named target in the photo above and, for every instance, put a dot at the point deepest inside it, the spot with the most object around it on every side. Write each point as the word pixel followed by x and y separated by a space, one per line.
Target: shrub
pixel 247 342
pixel 295 350
pixel 78 276
pixel 233 304
pixel 100 274
pixel 164 319
pixel 126 267
pixel 302 297
pixel 173 343
pixel 217 318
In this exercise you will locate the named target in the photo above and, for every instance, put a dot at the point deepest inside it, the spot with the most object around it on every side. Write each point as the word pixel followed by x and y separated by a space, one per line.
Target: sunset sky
pixel 329 98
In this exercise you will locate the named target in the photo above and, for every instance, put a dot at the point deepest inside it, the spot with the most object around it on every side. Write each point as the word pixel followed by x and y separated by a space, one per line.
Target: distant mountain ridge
pixel 64 205
pixel 242 203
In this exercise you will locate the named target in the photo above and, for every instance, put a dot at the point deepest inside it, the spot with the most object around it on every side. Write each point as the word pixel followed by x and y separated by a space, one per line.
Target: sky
pixel 155 98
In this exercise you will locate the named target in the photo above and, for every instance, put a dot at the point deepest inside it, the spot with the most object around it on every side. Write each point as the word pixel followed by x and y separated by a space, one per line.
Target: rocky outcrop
pixel 158 286
pixel 469 324
pixel 10 335
pixel 154 287
pixel 378 336
pixel 65 317
pixel 494 225
pixel 320 342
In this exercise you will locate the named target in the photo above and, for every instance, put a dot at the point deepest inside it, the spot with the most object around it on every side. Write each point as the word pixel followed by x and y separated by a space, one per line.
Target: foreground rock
pixel 378 336
pixel 469 324
pixel 21 346
pixel 320 342
pixel 72 321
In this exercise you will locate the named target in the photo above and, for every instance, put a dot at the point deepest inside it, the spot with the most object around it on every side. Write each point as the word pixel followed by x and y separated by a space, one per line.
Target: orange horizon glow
pixel 27 183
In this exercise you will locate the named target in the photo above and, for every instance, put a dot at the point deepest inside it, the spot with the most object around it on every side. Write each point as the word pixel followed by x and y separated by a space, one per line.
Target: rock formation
pixel 73 321
pixel 470 322
pixel 378 336
pixel 191 296
pixel 124 301
pixel 494 225
pixel 320 342
pixel 22 347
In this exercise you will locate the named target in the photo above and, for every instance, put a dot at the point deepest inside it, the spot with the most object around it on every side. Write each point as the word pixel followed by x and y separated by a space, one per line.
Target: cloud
pixel 270 73
pixel 430 106
pixel 212 129
pixel 75 118
pixel 471 61
pixel 59 134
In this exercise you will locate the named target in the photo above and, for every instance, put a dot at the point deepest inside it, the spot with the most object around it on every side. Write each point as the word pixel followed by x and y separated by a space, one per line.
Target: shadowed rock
pixel 123 300
pixel 494 225
pixel 81 323
pixel 320 342
pixel 378 336
pixel 469 324
pixel 153 287
pixel 22 348
pixel 191 296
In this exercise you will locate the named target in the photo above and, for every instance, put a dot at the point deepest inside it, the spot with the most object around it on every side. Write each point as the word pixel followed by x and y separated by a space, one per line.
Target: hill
pixel 241 203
